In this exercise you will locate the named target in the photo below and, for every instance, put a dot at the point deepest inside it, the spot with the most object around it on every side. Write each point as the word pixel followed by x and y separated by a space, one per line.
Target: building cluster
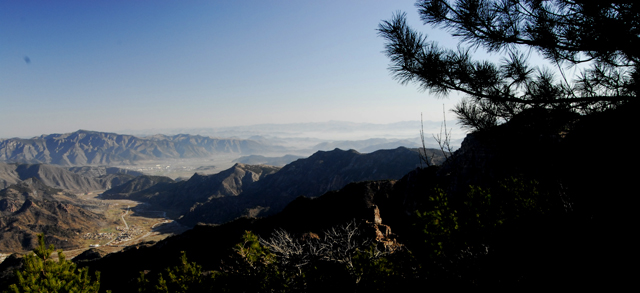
pixel 99 236
pixel 127 235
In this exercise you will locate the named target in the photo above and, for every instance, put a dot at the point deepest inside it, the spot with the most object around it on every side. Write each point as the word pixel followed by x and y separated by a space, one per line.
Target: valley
pixel 182 168
pixel 129 223
pixel 150 188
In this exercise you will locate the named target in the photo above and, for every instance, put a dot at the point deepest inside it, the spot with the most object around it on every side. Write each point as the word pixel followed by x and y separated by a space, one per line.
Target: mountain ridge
pixel 322 172
pixel 81 179
pixel 85 147
pixel 182 195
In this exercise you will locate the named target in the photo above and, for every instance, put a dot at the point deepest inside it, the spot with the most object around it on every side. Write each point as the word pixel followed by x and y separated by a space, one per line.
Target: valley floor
pixel 129 223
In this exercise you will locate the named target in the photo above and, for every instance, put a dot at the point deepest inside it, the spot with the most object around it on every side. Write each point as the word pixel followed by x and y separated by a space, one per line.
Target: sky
pixel 115 65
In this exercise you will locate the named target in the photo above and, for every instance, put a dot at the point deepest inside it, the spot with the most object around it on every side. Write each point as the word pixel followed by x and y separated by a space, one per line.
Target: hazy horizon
pixel 137 65
pixel 320 131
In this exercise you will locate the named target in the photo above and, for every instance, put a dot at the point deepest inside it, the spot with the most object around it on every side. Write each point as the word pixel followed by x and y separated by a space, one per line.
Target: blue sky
pixel 114 65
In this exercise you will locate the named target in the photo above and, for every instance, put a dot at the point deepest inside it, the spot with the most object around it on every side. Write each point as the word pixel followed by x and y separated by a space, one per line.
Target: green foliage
pixel 451 224
pixel 43 274
pixel 371 266
pixel 143 283
pixel 513 198
pixel 252 269
pixel 186 277
pixel 252 251
pixel 439 222
pixel 380 271
pixel 182 277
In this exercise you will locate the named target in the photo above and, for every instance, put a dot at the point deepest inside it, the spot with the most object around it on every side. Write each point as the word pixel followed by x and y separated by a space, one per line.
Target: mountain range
pixel 259 190
pixel 242 190
pixel 366 145
pixel 320 173
pixel 100 148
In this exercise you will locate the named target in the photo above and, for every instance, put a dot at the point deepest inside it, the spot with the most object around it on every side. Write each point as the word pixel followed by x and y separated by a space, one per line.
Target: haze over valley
pixel 211 150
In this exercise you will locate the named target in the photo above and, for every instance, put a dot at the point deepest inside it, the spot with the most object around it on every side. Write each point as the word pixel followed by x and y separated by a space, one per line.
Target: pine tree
pixel 40 273
pixel 600 36
pixel 187 277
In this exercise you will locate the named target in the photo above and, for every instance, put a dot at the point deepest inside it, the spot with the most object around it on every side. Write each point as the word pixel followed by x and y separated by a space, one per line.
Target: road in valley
pixel 136 220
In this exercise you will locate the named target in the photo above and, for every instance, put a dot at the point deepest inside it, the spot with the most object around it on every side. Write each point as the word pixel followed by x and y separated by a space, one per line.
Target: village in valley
pixel 131 223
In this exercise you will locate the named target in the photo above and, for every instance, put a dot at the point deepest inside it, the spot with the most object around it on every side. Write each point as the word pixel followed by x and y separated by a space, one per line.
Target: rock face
pixel 30 207
pixel 313 176
pixel 99 148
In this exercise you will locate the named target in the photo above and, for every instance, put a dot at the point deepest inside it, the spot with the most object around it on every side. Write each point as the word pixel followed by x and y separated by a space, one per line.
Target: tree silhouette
pixel 602 35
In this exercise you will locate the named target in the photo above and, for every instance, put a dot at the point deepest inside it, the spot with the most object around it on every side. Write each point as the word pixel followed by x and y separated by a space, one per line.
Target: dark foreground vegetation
pixel 539 196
